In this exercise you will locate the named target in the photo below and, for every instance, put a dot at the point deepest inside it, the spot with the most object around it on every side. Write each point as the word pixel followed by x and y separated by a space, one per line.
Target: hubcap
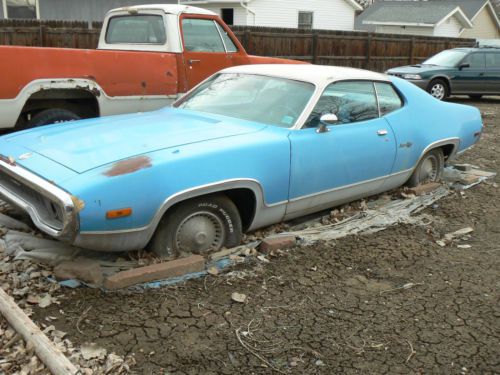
pixel 429 169
pixel 437 91
pixel 199 233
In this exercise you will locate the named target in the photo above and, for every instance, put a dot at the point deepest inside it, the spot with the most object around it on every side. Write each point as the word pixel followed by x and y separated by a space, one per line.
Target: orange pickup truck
pixel 147 56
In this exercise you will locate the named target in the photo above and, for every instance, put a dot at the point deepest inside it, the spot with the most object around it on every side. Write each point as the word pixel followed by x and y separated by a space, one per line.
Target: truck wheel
pixel 51 116
pixel 200 226
pixel 429 169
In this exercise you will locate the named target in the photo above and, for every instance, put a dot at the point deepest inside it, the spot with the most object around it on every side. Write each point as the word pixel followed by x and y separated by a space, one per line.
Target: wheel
pixel 429 169
pixel 438 88
pixel 476 96
pixel 198 226
pixel 51 116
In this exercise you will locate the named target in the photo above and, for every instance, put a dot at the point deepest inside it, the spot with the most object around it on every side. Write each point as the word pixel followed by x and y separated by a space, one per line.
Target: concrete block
pixel 468 179
pixel 160 271
pixel 277 242
pixel 86 270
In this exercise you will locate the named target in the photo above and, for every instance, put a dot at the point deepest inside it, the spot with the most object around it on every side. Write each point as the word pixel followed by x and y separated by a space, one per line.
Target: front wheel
pixel 200 226
pixel 438 88
pixel 429 169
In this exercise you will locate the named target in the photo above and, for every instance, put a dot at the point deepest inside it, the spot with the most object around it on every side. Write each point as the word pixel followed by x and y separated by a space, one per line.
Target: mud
pixel 394 302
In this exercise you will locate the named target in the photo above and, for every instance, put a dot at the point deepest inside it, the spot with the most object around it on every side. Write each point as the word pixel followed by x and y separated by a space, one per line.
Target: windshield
pixel 271 100
pixel 449 58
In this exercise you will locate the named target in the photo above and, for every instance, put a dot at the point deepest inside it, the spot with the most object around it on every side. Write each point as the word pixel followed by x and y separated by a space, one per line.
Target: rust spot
pixel 128 166
pixel 78 203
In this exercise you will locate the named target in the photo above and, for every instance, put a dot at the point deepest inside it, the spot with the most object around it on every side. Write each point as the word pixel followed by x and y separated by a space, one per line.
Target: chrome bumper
pixel 52 209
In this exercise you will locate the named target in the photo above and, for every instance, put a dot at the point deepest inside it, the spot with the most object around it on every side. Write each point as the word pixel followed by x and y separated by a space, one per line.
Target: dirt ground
pixel 393 302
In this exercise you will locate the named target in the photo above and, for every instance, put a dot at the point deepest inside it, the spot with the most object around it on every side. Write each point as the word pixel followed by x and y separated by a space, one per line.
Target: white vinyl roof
pixel 168 8
pixel 317 74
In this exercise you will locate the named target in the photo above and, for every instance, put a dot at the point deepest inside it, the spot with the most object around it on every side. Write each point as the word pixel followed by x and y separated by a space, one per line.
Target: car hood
pixel 416 69
pixel 88 144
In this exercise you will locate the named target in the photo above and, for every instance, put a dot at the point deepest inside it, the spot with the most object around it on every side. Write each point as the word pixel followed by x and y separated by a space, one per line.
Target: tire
pixel 438 88
pixel 476 96
pixel 200 226
pixel 51 116
pixel 429 168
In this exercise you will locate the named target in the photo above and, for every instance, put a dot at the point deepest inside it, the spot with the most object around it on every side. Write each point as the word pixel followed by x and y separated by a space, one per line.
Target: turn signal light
pixel 115 214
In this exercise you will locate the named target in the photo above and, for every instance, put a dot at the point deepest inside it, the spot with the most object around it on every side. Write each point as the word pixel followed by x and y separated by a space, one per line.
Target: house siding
pixel 85 10
pixel 485 26
pixel 407 30
pixel 328 14
pixel 449 28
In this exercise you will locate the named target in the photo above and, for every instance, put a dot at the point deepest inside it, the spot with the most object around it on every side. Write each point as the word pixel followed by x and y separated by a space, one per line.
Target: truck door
pixel 207 48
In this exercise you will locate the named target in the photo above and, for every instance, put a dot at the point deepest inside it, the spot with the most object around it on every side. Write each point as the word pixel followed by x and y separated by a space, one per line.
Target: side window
pixel 493 60
pixel 388 98
pixel 350 101
pixel 476 60
pixel 230 47
pixel 201 36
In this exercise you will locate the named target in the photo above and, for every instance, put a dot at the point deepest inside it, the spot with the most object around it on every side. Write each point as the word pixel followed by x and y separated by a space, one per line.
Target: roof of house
pixel 416 13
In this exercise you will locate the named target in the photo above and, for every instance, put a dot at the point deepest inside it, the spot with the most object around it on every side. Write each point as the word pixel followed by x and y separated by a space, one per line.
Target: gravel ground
pixel 392 302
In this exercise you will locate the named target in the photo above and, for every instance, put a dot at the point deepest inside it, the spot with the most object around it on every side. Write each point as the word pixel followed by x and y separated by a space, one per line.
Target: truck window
pixel 140 29
pixel 201 36
pixel 230 47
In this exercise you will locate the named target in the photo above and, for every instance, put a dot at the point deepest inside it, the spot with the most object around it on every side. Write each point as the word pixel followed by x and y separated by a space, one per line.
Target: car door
pixel 351 159
pixel 492 73
pixel 469 77
pixel 207 48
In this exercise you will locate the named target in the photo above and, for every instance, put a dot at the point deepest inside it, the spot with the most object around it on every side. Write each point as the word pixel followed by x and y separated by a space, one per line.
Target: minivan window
pixel 493 60
pixel 449 58
pixel 475 60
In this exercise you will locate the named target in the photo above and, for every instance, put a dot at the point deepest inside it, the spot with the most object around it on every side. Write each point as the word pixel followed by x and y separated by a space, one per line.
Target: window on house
pixel 20 8
pixel 305 20
pixel 227 15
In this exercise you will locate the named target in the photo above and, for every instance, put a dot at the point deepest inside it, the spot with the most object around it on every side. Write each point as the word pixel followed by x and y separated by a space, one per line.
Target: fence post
pixel 246 39
pixel 315 38
pixel 412 51
pixel 368 51
pixel 42 33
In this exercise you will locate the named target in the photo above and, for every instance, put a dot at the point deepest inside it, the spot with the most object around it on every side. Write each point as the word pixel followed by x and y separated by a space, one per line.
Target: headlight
pixel 411 76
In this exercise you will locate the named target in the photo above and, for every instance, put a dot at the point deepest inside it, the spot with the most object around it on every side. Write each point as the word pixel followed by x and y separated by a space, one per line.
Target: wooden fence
pixel 372 51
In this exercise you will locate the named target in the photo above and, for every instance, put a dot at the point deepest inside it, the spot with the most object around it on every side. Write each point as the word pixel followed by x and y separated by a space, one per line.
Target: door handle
pixel 193 61
pixel 382 132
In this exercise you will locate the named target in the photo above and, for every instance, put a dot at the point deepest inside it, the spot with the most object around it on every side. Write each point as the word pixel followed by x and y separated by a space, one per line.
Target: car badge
pixel 25 156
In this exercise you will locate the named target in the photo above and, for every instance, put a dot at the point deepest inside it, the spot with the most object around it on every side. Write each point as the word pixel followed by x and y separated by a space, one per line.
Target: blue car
pixel 248 147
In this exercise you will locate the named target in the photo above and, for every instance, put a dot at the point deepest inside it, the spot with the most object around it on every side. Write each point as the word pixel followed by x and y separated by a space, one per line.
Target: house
pixel 310 14
pixel 68 10
pixel 447 18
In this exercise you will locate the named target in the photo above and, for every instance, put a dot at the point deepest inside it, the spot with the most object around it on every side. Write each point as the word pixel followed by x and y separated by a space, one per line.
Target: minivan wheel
pixel 198 226
pixel 438 88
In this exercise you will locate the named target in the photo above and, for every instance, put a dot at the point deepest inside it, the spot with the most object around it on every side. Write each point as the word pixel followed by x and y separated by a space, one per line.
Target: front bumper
pixel 51 209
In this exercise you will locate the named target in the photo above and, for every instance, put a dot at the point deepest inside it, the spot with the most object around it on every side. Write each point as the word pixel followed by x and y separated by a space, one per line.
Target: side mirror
pixel 461 66
pixel 325 120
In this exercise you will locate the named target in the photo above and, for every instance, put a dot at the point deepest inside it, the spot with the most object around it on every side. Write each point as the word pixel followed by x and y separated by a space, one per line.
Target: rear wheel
pixel 429 169
pixel 51 116
pixel 438 88
pixel 200 226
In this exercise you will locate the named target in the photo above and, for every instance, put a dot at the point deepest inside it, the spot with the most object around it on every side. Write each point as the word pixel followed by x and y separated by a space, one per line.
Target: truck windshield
pixel 270 100
pixel 136 29
pixel 449 58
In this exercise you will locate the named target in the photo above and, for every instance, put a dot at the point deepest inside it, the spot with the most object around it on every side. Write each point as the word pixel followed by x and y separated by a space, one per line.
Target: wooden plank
pixel 52 357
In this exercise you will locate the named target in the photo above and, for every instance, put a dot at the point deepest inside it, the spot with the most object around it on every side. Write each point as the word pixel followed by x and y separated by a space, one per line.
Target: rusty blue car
pixel 248 147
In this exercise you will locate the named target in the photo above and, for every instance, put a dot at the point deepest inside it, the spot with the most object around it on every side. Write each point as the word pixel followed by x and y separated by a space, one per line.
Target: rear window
pixel 138 29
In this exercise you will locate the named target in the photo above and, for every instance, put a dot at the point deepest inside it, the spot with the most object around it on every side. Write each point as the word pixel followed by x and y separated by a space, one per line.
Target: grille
pixel 48 211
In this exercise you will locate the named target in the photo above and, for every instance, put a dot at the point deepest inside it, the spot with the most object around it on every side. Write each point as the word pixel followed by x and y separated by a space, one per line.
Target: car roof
pixel 477 49
pixel 168 8
pixel 317 74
